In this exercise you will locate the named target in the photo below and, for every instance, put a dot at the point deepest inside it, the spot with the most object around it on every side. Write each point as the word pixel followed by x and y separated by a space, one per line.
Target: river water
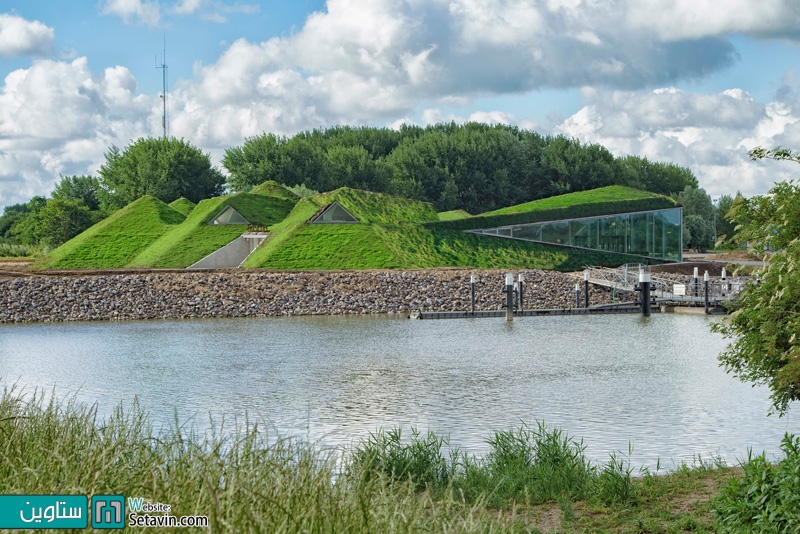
pixel 614 380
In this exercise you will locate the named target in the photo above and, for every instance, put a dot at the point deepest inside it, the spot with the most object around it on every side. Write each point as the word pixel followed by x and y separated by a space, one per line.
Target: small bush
pixel 528 465
pixel 614 485
pixel 767 498
pixel 420 460
pixel 8 250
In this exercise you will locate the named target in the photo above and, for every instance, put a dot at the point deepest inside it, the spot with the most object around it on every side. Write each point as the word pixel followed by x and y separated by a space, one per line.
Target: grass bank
pixel 533 479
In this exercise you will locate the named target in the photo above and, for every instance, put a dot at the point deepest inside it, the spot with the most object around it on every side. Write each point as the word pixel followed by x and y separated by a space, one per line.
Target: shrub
pixel 767 498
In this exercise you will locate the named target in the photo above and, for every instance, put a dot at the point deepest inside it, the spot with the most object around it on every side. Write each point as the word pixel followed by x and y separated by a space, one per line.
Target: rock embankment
pixel 180 294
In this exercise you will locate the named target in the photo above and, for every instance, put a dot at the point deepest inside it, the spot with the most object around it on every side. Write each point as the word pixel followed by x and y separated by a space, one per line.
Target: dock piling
pixel 472 291
pixel 644 284
pixel 509 297
pixel 586 287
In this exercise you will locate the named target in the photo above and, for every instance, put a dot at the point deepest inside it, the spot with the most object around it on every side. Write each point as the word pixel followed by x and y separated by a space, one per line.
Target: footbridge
pixel 626 278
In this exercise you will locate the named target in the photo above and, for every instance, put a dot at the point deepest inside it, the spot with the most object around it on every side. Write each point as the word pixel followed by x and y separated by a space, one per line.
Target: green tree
pixel 261 158
pixel 698 216
pixel 353 166
pixel 83 188
pixel 60 220
pixel 655 176
pixel 765 326
pixel 11 214
pixel 726 226
pixel 164 168
pixel 22 231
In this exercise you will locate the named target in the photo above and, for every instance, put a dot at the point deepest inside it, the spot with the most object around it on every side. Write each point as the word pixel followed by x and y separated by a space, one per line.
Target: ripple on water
pixel 612 380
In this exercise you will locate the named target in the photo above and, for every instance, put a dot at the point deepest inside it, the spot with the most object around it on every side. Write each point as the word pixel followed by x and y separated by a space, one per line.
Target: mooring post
pixel 577 295
pixel 472 291
pixel 586 286
pixel 644 284
pixel 509 297
pixel 521 279
pixel 696 284
pixel 724 286
pixel 705 280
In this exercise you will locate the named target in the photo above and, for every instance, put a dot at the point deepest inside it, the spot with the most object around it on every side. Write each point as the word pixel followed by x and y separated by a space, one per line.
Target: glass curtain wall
pixel 653 234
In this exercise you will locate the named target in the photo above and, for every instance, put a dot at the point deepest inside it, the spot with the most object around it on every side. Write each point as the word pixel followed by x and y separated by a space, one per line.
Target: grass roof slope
pixel 195 239
pixel 293 244
pixel 183 205
pixel 594 202
pixel 453 215
pixel 382 243
pixel 271 188
pixel 369 207
pixel 117 239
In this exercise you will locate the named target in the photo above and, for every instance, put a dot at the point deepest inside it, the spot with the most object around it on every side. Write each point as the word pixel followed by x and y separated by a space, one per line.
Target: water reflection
pixel 613 380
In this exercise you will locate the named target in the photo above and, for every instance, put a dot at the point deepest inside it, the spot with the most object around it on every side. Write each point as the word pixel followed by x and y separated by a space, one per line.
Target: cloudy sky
pixel 694 82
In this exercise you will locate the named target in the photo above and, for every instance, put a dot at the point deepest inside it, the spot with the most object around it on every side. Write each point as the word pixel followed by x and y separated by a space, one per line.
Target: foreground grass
pixel 533 479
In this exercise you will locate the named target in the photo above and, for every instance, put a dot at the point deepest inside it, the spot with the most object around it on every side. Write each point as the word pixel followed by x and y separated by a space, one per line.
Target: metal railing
pixel 626 278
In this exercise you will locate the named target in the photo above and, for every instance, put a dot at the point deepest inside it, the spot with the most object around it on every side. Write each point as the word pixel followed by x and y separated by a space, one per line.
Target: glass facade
pixel 652 234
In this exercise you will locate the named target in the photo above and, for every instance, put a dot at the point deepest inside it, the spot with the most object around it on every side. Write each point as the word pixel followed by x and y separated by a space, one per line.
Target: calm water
pixel 613 380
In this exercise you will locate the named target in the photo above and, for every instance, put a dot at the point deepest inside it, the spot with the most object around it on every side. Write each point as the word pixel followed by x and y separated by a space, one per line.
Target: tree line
pixel 475 167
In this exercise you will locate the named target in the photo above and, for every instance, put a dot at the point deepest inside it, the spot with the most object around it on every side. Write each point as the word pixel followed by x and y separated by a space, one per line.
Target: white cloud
pixel 212 10
pixel 20 37
pixel 695 19
pixel 134 10
pixel 57 118
pixel 709 133
pixel 185 7
pixel 492 117
pixel 373 61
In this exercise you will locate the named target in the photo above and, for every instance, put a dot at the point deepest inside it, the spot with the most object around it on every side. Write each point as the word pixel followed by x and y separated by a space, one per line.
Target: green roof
pixel 183 205
pixel 117 239
pixel 271 188
pixel 194 239
pixel 601 201
pixel 453 215
pixel 389 236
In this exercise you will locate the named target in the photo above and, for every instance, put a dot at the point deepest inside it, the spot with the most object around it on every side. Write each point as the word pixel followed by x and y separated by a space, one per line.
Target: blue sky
pixel 693 82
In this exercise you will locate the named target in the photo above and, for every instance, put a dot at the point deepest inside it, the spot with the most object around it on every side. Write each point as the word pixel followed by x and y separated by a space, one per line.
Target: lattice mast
pixel 164 68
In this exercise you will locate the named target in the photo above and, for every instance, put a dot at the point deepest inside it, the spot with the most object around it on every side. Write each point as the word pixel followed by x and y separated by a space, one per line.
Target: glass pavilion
pixel 651 234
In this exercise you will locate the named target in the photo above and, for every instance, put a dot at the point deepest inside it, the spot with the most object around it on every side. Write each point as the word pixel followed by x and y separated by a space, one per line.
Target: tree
pixel 765 325
pixel 22 231
pixel 60 220
pixel 260 159
pixel 83 188
pixel 12 214
pixel 353 166
pixel 698 217
pixel 164 168
pixel 726 227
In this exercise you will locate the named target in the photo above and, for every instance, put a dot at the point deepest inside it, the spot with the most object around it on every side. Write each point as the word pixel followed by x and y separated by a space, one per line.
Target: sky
pixel 693 82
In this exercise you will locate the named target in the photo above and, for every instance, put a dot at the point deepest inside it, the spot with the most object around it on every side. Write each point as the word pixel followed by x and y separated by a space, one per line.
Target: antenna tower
pixel 163 67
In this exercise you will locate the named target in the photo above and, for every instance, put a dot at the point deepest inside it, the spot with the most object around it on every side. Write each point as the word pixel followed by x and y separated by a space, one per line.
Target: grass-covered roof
pixel 183 205
pixel 195 238
pixel 601 201
pixel 390 236
pixel 117 239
